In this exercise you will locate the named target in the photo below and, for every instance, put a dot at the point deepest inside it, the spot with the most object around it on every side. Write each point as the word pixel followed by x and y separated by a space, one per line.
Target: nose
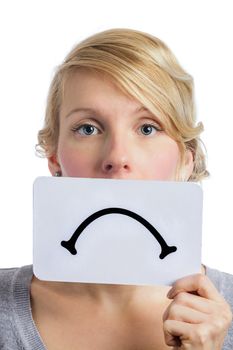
pixel 116 158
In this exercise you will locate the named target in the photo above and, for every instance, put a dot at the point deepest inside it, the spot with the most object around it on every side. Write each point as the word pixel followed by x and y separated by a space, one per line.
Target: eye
pixel 86 129
pixel 148 129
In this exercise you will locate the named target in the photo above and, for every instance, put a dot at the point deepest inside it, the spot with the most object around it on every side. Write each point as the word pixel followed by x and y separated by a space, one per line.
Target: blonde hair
pixel 143 67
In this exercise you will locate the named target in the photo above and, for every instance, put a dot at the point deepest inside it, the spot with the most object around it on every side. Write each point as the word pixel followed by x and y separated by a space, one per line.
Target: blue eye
pixel 148 129
pixel 87 129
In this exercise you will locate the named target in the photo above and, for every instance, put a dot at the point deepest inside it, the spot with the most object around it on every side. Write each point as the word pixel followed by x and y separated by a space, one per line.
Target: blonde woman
pixel 120 106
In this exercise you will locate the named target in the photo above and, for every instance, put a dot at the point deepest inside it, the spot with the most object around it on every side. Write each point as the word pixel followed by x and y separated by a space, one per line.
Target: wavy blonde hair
pixel 143 67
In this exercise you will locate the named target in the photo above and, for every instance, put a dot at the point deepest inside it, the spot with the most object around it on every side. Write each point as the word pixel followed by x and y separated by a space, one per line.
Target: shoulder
pixel 10 277
pixel 6 280
pixel 14 283
pixel 13 293
pixel 6 274
pixel 223 282
pixel 6 306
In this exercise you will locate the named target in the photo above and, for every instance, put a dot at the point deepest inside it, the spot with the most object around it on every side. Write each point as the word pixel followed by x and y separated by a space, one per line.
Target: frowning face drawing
pixel 70 244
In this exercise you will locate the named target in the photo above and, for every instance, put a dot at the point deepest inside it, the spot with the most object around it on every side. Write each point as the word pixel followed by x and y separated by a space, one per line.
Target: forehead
pixel 89 87
pixel 81 77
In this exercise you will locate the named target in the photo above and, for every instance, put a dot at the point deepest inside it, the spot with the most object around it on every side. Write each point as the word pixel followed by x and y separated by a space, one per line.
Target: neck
pixel 109 296
pixel 103 293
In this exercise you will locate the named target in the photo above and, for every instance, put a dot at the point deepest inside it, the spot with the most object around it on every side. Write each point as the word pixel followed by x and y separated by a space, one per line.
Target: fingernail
pixel 170 293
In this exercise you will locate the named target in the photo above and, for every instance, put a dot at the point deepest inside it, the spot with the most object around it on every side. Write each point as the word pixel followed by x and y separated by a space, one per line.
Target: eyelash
pixel 78 128
pixel 152 126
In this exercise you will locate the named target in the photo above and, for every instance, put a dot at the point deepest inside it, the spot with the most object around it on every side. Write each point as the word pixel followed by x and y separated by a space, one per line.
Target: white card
pixel 138 232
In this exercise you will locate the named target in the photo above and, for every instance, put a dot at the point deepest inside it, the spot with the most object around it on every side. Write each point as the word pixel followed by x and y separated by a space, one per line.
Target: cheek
pixel 165 167
pixel 75 163
pixel 164 161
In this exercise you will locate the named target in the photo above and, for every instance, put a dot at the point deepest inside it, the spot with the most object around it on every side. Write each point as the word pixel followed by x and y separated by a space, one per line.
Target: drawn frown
pixel 70 244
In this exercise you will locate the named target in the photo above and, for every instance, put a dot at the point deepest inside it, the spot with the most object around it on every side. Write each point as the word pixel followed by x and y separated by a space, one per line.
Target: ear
pixel 189 164
pixel 53 164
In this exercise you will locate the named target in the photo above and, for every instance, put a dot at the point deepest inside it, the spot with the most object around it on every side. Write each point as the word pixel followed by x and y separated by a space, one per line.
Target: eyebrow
pixel 93 110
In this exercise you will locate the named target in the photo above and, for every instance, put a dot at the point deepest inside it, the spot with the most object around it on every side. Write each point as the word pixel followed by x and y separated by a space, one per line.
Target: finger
pixel 195 302
pixel 199 284
pixel 176 332
pixel 184 314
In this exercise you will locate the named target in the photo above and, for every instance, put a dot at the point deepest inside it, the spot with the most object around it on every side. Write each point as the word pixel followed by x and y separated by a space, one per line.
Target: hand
pixel 198 317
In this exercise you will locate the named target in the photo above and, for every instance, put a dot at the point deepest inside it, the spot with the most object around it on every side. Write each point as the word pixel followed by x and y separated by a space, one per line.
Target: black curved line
pixel 70 244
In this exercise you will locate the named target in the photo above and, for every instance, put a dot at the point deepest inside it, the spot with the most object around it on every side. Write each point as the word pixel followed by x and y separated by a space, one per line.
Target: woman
pixel 120 106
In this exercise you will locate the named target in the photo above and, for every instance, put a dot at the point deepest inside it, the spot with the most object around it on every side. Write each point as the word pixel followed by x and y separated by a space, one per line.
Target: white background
pixel 35 37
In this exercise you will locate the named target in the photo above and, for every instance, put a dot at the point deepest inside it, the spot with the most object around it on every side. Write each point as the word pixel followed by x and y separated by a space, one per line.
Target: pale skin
pixel 106 134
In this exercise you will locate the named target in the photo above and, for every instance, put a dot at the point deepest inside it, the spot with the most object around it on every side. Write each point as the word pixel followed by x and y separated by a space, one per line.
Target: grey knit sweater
pixel 17 329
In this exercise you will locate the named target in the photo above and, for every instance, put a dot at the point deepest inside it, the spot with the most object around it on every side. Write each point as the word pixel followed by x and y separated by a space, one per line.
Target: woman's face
pixel 106 134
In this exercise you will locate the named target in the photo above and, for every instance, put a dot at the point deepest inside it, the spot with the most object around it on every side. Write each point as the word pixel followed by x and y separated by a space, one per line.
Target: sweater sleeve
pixel 17 328
pixel 224 283
pixel 8 333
